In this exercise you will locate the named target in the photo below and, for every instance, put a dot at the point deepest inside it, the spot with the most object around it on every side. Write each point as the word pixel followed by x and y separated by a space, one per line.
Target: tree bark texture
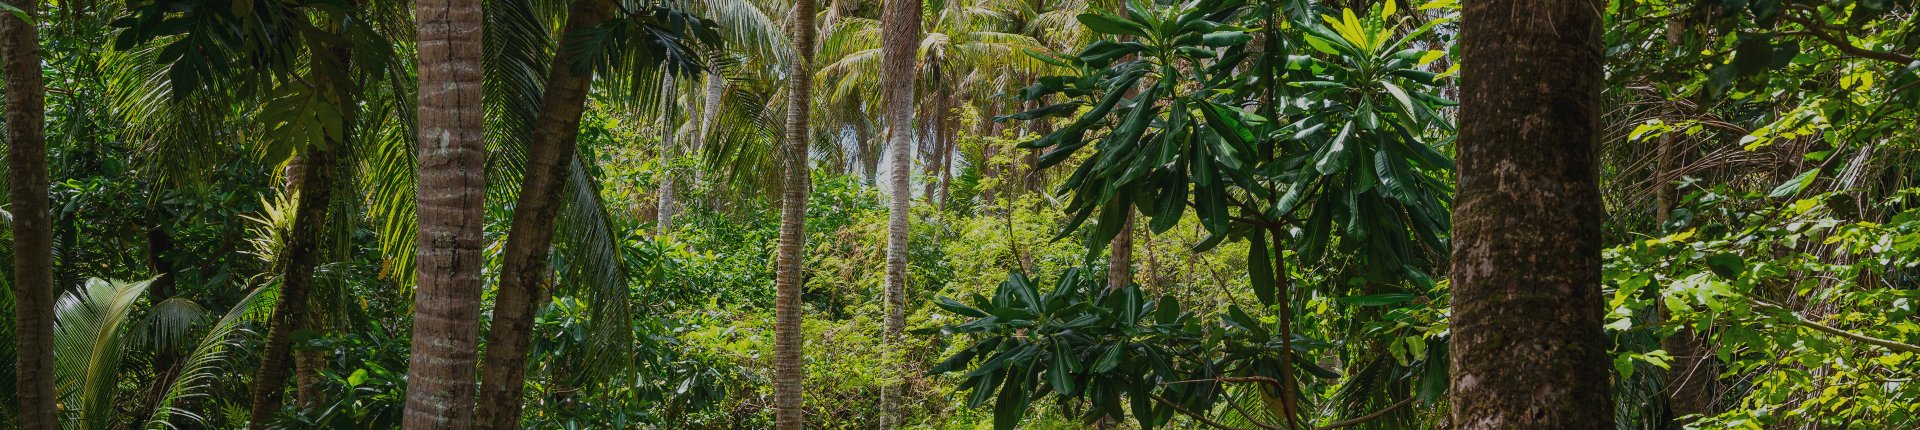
pixel 523 274
pixel 1527 350
pixel 901 22
pixel 451 197
pixel 296 281
pixel 669 204
pixel 791 258
pixel 33 292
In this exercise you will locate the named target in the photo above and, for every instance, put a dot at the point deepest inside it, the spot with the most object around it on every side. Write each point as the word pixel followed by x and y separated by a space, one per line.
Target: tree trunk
pixel 709 117
pixel 1119 255
pixel 523 274
pixel 669 201
pixel 451 197
pixel 296 280
pixel 32 222
pixel 901 22
pixel 787 343
pixel 1528 351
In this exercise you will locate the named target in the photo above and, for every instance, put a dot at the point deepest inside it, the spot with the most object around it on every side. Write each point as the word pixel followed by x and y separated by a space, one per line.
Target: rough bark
pixel 1120 256
pixel 901 22
pixel 296 281
pixel 451 200
pixel 524 273
pixel 32 223
pixel 787 343
pixel 1527 349
pixel 669 204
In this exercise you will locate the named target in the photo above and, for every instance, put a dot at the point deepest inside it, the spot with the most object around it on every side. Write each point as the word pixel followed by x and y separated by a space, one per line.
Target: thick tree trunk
pixel 296 281
pixel 669 203
pixel 791 261
pixel 32 223
pixel 523 274
pixel 451 198
pixel 901 22
pixel 1527 349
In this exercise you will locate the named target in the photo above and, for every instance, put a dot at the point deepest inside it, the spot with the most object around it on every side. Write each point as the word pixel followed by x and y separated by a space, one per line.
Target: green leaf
pixel 958 308
pixel 1112 25
pixel 1377 299
pixel 1011 405
pixel 1220 39
pixel 358 377
pixel 1727 265
pixel 1795 185
pixel 1260 269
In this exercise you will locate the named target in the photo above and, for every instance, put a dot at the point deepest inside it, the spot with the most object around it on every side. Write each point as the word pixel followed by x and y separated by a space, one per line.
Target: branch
pixel 1847 46
pixel 1823 328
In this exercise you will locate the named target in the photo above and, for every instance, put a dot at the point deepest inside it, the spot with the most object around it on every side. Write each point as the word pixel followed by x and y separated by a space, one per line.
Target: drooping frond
pixel 208 362
pixel 89 341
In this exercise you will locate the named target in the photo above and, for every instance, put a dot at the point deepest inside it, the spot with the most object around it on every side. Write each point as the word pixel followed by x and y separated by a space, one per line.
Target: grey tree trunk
pixel 32 222
pixel 669 204
pixel 1528 352
pixel 901 22
pixel 788 373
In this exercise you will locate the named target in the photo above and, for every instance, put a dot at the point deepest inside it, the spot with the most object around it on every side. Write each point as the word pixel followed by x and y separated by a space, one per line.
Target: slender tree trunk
pixel 946 144
pixel 296 280
pixel 1528 352
pixel 451 199
pixel 788 373
pixel 901 22
pixel 32 223
pixel 523 274
pixel 669 200
pixel 709 117
pixel 1119 255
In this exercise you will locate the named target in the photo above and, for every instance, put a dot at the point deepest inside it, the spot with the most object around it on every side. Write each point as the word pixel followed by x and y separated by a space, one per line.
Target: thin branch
pixel 1823 328
pixel 1846 46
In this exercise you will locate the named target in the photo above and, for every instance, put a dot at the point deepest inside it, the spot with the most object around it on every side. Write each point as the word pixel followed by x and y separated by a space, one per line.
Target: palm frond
pixel 206 364
pixel 90 332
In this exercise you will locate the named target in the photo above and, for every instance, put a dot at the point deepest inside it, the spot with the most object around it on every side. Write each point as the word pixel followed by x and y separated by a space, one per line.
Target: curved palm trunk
pixel 1528 351
pixel 451 199
pixel 788 414
pixel 32 223
pixel 901 22
pixel 523 276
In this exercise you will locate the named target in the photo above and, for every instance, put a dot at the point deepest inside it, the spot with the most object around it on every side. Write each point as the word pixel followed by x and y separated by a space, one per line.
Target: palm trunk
pixel 901 22
pixel 296 280
pixel 32 223
pixel 1528 352
pixel 523 276
pixel 669 202
pixel 451 197
pixel 787 344
pixel 709 117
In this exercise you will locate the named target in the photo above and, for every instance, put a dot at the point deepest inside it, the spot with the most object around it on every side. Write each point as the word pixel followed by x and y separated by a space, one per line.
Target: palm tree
pixel 1527 239
pixel 791 260
pixel 451 194
pixel 523 275
pixel 900 20
pixel 32 225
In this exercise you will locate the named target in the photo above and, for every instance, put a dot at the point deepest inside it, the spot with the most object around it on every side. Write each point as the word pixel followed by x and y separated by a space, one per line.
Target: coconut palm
pixel 793 218
pixel 33 234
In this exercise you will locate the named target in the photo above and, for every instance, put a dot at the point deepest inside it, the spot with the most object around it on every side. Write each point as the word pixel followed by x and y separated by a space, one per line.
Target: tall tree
pixel 791 258
pixel 669 204
pixel 450 197
pixel 523 280
pixel 901 22
pixel 32 223
pixel 1528 351
pixel 311 177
